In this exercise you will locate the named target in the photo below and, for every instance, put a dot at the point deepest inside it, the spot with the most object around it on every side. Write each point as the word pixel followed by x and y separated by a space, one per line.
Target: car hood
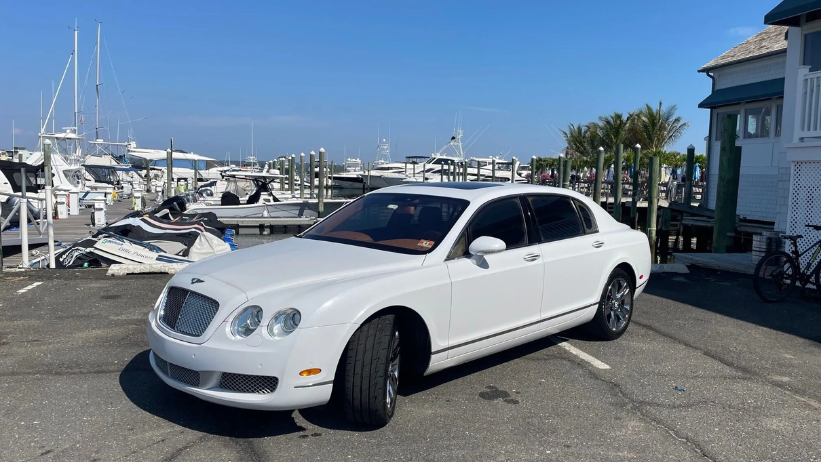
pixel 297 261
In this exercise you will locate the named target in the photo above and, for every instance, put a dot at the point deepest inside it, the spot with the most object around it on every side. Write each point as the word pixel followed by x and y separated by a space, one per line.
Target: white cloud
pixel 487 109
pixel 280 121
pixel 743 32
pixel 18 131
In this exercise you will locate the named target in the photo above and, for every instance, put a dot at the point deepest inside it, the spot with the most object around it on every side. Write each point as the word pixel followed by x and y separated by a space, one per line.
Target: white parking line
pixel 581 354
pixel 29 287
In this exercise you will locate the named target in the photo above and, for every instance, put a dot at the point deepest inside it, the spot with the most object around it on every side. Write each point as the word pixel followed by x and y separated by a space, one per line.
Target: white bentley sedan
pixel 407 280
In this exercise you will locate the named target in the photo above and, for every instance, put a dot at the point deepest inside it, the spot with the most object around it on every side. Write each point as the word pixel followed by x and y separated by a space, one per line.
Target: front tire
pixel 371 375
pixel 615 307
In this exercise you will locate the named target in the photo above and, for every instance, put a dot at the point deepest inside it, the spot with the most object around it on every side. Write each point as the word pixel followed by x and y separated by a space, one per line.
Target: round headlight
pixel 284 322
pixel 246 322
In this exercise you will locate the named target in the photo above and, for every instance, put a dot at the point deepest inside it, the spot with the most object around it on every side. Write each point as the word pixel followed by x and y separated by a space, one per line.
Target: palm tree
pixel 613 129
pixel 656 129
pixel 583 140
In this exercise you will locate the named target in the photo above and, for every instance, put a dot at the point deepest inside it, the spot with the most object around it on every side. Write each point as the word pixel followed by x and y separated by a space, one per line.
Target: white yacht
pixel 352 176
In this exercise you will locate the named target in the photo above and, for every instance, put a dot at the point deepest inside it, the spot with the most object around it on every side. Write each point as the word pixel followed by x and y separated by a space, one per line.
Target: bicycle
pixel 777 273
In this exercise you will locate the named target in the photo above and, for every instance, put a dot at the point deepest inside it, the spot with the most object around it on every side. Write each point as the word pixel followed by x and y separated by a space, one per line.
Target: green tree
pixel 583 141
pixel 655 129
pixel 613 129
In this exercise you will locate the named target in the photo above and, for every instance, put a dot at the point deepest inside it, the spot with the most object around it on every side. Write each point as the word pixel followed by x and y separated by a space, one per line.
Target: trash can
pixel 61 205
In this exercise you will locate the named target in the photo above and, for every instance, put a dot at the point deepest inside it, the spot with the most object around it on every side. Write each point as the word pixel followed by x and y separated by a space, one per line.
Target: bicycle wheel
pixel 775 276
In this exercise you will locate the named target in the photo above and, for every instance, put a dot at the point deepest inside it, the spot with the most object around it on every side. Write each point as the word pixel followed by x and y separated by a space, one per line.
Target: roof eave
pixel 742 61
pixel 788 12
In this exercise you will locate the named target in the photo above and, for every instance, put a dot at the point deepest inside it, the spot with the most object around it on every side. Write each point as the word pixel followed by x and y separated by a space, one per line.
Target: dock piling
pixel 321 190
pixel 634 212
pixel 291 168
pixel 49 208
pixel 169 168
pixel 617 187
pixel 560 173
pixel 729 168
pixel 652 205
pixel 302 175
pixel 566 174
pixel 598 179
pixel 311 174
pixel 533 170
pixel 24 215
pixel 688 172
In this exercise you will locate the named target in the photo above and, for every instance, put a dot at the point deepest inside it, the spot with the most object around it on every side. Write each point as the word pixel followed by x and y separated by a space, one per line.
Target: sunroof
pixel 459 185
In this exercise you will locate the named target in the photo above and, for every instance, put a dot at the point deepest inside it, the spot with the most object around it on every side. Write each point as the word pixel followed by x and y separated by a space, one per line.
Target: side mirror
pixel 486 245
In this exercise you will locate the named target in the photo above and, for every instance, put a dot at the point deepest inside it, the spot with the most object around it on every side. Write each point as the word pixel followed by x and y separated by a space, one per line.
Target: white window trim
pixel 756 105
pixel 742 110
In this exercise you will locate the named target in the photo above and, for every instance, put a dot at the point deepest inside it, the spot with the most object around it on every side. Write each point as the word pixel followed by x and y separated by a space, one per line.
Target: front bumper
pixel 258 355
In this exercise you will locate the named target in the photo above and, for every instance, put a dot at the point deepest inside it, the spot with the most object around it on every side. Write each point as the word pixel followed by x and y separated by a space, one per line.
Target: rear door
pixel 572 252
pixel 496 297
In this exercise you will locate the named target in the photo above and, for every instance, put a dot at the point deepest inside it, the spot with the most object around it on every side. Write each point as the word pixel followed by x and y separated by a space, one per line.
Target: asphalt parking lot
pixel 705 372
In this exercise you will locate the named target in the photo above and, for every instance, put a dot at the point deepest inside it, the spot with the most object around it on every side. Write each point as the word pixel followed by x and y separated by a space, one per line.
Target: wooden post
pixel 321 190
pixel 329 184
pixel 441 173
pixel 664 235
pixel 169 167
pixel 597 181
pixel 652 205
pixel 560 173
pixel 492 169
pixel 196 173
pixel 302 175
pixel 634 205
pixel 479 171
pixel 688 180
pixel 147 176
pixel 291 172
pixel 369 175
pixel 617 187
pixel 729 168
pixel 23 213
pixel 49 211
pixel 311 168
pixel 568 165
pixel 533 170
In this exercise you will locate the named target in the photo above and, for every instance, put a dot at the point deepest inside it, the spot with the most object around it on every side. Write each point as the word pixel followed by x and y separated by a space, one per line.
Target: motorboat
pixel 264 201
pixel 352 177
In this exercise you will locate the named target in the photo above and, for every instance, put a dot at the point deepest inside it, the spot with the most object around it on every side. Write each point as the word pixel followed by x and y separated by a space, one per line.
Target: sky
pixel 330 74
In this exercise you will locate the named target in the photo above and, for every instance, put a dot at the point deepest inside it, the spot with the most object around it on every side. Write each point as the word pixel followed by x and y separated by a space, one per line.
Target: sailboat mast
pixel 97 87
pixel 76 80
pixel 252 138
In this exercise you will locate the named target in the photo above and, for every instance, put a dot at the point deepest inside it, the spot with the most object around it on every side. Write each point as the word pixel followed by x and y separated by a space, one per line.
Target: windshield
pixel 404 223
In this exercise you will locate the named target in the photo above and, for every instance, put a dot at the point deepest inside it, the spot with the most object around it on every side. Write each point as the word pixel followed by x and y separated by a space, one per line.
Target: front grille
pixel 187 312
pixel 178 373
pixel 242 383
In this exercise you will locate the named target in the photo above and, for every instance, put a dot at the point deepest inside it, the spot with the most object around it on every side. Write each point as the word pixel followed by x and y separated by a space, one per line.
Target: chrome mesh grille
pixel 187 312
pixel 178 373
pixel 258 384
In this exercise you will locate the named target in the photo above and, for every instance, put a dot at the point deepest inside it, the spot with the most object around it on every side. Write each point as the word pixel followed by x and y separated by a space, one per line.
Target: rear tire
pixel 616 307
pixel 371 375
pixel 775 276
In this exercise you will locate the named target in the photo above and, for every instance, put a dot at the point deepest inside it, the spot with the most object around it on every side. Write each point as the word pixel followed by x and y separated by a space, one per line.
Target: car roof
pixel 474 191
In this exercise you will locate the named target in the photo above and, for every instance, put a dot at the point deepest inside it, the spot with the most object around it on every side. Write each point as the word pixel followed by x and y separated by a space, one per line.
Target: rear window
pixel 556 217
pixel 404 223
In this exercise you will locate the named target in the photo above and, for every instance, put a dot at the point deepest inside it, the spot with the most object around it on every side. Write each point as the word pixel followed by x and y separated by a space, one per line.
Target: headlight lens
pixel 246 322
pixel 284 322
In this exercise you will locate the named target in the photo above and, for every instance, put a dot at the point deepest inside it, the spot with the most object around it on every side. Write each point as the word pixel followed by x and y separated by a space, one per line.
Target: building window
pixel 812 51
pixel 757 122
pixel 720 123
pixel 779 109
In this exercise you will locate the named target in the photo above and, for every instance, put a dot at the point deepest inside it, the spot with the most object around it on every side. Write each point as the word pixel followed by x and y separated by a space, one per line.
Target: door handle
pixel 598 244
pixel 532 257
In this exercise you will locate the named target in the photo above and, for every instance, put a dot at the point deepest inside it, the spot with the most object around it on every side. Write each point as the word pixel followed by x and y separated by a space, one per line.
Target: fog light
pixel 310 372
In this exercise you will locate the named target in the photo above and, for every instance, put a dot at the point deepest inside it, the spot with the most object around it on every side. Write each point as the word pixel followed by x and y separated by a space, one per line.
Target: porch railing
pixel 808 105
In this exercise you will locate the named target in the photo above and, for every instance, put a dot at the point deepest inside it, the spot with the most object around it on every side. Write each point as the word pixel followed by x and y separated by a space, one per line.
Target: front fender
pixel 425 289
